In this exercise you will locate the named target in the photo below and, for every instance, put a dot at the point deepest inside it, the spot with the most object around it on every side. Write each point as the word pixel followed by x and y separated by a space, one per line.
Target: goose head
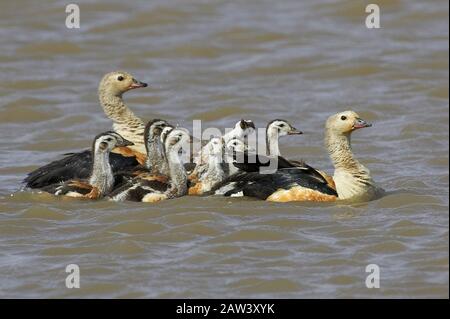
pixel 117 83
pixel 105 142
pixel 282 128
pixel 344 123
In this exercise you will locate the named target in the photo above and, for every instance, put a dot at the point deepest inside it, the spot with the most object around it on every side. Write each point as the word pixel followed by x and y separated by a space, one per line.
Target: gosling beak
pixel 294 131
pixel 137 84
pixel 125 142
pixel 360 123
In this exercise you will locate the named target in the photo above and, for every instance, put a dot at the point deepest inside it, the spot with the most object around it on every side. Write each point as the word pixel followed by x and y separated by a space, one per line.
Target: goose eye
pixel 343 117
pixel 281 125
pixel 120 78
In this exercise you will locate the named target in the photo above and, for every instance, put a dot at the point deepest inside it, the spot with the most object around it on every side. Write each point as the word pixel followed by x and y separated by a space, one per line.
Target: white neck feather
pixel 214 165
pixel 272 142
pixel 237 132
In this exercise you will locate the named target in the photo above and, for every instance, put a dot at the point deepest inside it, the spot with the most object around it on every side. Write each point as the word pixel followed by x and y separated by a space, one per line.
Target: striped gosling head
pixel 154 129
pixel 282 128
pixel 176 139
pixel 105 142
pixel 117 83
pixel 166 131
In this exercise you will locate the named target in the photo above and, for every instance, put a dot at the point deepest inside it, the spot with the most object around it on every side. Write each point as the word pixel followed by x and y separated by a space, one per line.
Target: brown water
pixel 220 61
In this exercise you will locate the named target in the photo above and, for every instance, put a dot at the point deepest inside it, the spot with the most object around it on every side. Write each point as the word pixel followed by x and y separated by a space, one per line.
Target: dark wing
pixel 251 162
pixel 123 176
pixel 74 166
pixel 136 189
pixel 261 186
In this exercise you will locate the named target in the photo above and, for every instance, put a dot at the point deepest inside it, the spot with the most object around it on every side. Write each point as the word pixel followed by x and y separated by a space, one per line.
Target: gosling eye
pixel 281 125
pixel 343 117
pixel 120 78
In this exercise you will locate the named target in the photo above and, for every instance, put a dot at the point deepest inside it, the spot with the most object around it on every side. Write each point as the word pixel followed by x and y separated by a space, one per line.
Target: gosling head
pixel 345 123
pixel 105 142
pixel 244 128
pixel 176 139
pixel 117 83
pixel 154 128
pixel 282 127
pixel 166 131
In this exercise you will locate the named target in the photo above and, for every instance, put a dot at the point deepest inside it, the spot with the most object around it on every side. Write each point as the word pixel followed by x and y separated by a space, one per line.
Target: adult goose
pixel 154 187
pixel 101 177
pixel 352 179
pixel 77 165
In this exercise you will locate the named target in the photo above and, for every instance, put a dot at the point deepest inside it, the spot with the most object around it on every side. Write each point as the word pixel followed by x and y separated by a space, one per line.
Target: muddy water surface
pixel 220 61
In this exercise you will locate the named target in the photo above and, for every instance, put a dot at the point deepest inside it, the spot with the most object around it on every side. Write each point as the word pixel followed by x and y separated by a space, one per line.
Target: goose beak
pixel 137 84
pixel 294 131
pixel 125 142
pixel 360 123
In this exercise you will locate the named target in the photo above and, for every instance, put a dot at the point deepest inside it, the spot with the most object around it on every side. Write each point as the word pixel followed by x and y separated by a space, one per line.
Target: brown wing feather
pixel 328 178
pixel 154 177
pixel 128 152
pixel 79 184
pixel 196 189
pixel 93 194
pixel 300 194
